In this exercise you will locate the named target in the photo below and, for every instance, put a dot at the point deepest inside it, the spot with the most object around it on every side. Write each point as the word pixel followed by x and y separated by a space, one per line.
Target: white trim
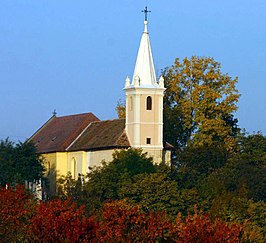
pixel 147 91
pixel 136 119
pixel 78 136
pixel 144 123
pixel 150 147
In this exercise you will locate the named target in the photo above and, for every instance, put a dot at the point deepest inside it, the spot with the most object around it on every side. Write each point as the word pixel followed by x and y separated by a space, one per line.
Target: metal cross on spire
pixel 146 11
pixel 54 112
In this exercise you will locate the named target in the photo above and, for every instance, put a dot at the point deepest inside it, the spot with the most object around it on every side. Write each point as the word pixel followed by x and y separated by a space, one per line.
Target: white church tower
pixel 144 102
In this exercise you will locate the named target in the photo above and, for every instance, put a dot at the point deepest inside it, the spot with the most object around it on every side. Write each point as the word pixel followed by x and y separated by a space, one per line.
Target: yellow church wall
pixel 55 165
pixel 61 164
pixel 49 162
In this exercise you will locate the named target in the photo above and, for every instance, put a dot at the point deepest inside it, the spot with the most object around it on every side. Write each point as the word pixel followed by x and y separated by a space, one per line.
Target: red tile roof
pixel 102 135
pixel 59 132
pixel 82 132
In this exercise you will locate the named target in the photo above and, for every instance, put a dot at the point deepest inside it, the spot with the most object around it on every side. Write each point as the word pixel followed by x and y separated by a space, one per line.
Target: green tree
pixel 244 172
pixel 194 163
pixel 19 162
pixel 157 192
pixel 247 167
pixel 236 190
pixel 199 103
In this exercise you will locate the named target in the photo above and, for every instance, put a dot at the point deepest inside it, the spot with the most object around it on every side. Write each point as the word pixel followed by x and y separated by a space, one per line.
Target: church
pixel 76 143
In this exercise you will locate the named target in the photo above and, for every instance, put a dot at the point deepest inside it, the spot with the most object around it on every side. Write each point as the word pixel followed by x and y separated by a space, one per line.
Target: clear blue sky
pixel 73 56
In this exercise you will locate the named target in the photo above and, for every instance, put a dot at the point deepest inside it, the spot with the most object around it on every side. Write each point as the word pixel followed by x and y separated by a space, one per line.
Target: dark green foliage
pixel 133 162
pixel 153 192
pixel 157 192
pixel 194 163
pixel 244 173
pixel 231 121
pixel 19 162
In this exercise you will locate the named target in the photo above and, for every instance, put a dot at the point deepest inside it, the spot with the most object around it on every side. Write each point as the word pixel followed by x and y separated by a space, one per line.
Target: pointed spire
pixel 144 67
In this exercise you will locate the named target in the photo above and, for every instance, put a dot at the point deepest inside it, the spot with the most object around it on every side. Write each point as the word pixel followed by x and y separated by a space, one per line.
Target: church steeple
pixel 144 68
pixel 144 101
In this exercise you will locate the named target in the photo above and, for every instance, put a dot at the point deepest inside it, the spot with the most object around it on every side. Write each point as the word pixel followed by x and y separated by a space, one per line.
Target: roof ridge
pixel 115 119
pixel 85 113
pixel 78 136
pixel 78 128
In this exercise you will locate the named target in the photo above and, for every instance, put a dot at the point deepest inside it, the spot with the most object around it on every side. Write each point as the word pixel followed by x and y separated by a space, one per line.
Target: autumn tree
pixel 60 221
pixel 121 109
pixel 124 223
pixel 16 206
pixel 199 103
pixel 19 162
pixel 200 228
pixel 121 222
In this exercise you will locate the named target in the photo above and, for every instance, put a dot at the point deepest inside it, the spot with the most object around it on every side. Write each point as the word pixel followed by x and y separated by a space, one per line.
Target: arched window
pixel 149 103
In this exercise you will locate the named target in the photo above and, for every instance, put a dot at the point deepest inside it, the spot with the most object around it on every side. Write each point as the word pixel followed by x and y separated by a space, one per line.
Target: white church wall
pixel 76 163
pixel 96 157
pixel 159 155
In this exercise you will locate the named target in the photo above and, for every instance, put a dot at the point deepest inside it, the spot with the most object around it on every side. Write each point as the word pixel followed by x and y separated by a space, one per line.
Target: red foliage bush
pixel 15 209
pixel 61 221
pixel 200 228
pixel 123 223
pixel 21 219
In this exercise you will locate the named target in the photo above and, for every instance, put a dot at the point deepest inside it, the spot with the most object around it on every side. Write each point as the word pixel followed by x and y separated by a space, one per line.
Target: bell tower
pixel 144 102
